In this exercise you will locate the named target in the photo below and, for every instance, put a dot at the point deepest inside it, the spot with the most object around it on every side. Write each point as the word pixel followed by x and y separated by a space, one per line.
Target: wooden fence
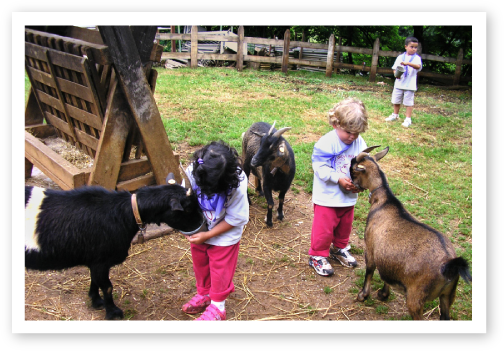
pixel 330 64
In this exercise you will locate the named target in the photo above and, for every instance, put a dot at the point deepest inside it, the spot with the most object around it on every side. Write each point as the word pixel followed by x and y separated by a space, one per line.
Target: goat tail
pixel 455 267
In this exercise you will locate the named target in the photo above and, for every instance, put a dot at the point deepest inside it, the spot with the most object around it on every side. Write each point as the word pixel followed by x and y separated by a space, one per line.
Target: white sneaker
pixel 406 123
pixel 343 256
pixel 392 117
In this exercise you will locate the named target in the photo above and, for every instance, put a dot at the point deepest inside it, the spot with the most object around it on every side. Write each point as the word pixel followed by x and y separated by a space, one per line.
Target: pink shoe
pixel 212 313
pixel 197 304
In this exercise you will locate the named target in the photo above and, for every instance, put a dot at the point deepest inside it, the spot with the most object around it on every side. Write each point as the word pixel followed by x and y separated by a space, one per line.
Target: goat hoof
pixel 361 297
pixel 382 296
pixel 114 313
pixel 98 304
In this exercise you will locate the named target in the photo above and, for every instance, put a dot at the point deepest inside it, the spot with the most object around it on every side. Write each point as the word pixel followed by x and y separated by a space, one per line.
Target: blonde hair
pixel 349 114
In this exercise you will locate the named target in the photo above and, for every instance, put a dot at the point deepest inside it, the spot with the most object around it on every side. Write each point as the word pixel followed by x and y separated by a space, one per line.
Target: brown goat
pixel 408 254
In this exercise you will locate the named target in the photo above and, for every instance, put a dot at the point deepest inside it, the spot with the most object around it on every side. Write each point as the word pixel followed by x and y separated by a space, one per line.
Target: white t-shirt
pixel 326 190
pixel 407 82
pixel 235 213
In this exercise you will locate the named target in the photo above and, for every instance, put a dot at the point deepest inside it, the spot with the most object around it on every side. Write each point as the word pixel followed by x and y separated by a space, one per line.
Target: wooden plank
pixel 285 55
pixel 99 53
pixel 176 55
pixel 141 101
pixel 62 172
pixel 133 169
pixel 458 67
pixel 65 85
pixel 33 114
pixel 330 56
pixel 110 149
pixel 374 60
pixel 58 58
pixel 41 131
pixel 134 184
pixel 194 46
pixel 85 117
pixel 266 59
pixel 239 51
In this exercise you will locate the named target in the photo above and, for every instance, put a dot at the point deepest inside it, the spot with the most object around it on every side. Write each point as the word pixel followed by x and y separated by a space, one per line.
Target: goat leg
pixel 94 294
pixel 281 197
pixel 101 276
pixel 446 300
pixel 269 199
pixel 384 292
pixel 366 289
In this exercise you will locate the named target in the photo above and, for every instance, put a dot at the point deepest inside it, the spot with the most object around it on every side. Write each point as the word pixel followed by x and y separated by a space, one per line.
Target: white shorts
pixel 404 97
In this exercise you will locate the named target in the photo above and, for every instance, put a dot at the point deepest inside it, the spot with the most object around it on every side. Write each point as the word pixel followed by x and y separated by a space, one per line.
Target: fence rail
pixel 330 63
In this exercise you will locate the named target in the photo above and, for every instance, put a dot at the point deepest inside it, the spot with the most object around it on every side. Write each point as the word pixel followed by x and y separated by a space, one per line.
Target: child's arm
pixel 411 64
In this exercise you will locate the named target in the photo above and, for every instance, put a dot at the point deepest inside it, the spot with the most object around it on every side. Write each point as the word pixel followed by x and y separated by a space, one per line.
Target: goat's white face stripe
pixel 32 211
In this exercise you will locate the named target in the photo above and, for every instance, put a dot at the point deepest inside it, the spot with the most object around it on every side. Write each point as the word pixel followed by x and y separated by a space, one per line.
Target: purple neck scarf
pixel 213 203
pixel 406 67
pixel 325 157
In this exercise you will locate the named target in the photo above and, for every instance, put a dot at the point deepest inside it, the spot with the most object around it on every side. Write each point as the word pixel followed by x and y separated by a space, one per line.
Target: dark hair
pixel 216 168
pixel 410 40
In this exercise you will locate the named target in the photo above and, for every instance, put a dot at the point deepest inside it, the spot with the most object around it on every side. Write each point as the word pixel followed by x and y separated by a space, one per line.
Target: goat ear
pixel 258 134
pixel 360 168
pixel 382 153
pixel 175 205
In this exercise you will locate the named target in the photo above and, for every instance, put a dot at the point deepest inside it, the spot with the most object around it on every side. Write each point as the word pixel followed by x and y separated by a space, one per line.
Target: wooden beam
pixel 374 60
pixel 194 46
pixel 133 82
pixel 458 67
pixel 239 50
pixel 285 55
pixel 330 56
pixel 33 114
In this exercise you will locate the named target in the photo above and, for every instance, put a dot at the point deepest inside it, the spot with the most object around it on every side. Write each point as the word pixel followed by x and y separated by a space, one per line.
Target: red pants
pixel 214 268
pixel 330 225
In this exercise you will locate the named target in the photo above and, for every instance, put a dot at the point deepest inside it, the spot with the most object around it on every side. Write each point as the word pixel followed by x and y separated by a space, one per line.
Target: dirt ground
pixel 272 282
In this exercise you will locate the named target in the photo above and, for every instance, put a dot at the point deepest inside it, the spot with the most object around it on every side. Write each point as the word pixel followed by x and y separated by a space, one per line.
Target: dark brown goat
pixel 271 159
pixel 408 254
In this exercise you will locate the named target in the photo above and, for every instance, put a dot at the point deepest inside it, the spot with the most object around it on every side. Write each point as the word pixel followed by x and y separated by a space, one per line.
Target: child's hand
pixel 346 183
pixel 198 238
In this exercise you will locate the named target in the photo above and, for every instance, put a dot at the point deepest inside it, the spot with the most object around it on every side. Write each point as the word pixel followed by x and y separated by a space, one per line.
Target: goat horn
pixel 361 156
pixel 189 191
pixel 281 131
pixel 371 148
pixel 170 179
pixel 271 129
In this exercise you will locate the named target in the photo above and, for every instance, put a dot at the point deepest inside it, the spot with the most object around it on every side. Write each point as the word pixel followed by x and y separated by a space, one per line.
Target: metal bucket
pixel 399 71
pixel 202 228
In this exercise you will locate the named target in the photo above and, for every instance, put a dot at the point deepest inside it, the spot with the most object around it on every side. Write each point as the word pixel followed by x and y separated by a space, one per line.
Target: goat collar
pixel 372 192
pixel 136 213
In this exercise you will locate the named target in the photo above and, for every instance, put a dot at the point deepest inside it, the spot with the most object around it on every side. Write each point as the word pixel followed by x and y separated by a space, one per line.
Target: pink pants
pixel 214 268
pixel 330 225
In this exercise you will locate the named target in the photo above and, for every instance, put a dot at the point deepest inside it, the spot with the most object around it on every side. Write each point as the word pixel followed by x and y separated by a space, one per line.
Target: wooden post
pixel 127 63
pixel 374 60
pixel 194 46
pixel 338 55
pixel 172 31
pixel 458 68
pixel 301 48
pixel 239 50
pixel 330 56
pixel 285 56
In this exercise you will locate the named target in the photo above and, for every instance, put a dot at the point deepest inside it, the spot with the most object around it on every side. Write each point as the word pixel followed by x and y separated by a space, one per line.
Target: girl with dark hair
pixel 217 177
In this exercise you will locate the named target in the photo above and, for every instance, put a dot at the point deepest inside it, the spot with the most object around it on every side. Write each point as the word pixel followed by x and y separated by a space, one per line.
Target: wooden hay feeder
pixel 94 90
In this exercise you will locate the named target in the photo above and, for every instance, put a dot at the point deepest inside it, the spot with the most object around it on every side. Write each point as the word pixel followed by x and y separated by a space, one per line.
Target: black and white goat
pixel 264 147
pixel 408 254
pixel 94 227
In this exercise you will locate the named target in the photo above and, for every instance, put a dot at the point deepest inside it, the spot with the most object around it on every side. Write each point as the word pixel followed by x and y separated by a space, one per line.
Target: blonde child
pixel 334 195
pixel 406 85
pixel 217 177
